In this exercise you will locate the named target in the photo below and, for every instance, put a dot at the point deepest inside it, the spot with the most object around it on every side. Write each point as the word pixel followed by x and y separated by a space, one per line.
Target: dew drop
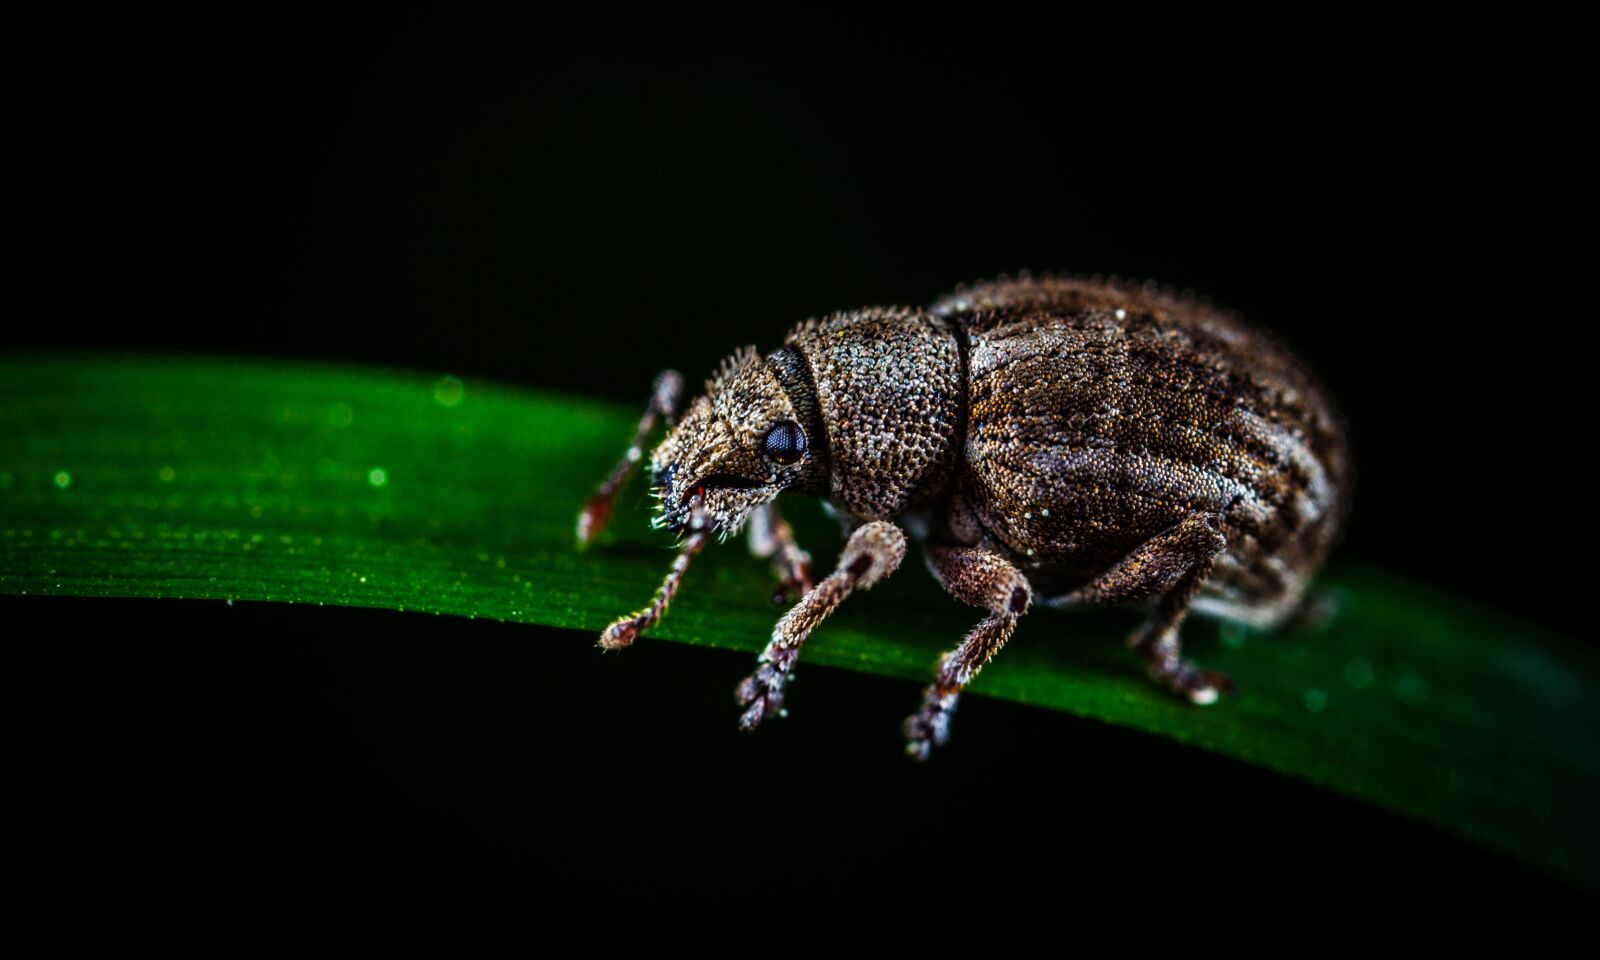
pixel 1411 689
pixel 449 391
pixel 1359 673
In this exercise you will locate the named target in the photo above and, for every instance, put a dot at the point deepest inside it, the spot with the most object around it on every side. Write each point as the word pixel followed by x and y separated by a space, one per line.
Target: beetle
pixel 1050 441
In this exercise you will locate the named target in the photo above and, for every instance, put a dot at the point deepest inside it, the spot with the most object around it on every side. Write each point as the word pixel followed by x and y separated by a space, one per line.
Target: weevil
pixel 1050 442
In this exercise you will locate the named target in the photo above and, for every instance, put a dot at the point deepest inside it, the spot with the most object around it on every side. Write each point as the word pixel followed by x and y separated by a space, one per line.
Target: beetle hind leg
pixel 984 579
pixel 1172 566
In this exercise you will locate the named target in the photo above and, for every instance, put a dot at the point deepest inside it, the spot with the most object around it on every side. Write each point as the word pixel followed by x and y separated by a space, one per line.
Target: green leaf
pixel 143 477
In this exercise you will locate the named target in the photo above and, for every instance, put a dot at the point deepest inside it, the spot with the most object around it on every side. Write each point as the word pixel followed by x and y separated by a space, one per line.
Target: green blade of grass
pixel 203 478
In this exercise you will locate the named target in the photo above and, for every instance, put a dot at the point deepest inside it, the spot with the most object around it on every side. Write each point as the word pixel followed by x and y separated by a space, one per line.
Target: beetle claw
pixel 621 633
pixel 1208 686
pixel 1202 687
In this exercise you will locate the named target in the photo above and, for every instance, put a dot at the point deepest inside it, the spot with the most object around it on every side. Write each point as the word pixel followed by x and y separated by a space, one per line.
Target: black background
pixel 577 204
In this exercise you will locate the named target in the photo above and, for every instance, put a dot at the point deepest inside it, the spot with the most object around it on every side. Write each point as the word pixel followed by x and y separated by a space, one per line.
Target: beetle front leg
pixel 1171 565
pixel 771 536
pixel 665 395
pixel 982 578
pixel 873 552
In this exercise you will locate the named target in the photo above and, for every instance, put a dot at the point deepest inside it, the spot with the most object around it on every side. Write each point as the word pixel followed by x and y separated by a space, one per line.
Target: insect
pixel 1051 442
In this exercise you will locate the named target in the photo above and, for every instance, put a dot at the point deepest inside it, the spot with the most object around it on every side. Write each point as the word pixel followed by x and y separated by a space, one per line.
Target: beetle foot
pixel 622 632
pixel 930 726
pixel 761 693
pixel 1168 667
pixel 1199 686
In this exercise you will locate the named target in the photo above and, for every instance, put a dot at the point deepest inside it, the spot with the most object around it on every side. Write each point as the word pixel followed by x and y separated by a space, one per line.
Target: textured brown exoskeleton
pixel 1052 442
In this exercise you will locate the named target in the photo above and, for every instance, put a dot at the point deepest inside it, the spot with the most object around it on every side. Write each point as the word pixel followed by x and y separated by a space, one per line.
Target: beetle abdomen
pixel 1100 416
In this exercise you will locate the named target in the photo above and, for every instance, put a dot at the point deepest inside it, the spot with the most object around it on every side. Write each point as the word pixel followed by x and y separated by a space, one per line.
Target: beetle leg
pixel 665 395
pixel 873 552
pixel 1171 565
pixel 771 536
pixel 982 578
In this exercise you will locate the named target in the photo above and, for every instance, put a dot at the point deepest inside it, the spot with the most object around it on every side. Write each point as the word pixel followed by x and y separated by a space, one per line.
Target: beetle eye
pixel 785 444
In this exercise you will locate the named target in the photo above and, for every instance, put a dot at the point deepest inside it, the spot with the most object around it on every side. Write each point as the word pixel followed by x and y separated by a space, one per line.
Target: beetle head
pixel 736 447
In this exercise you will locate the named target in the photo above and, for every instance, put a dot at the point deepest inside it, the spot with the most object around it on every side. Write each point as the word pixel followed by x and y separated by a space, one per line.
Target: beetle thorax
pixel 890 400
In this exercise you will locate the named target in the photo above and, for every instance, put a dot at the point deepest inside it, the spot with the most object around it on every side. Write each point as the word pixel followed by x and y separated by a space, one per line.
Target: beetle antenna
pixel 624 630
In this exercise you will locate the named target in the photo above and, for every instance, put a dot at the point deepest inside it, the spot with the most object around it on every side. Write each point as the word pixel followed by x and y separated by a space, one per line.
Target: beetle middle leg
pixel 771 536
pixel 982 578
pixel 1171 565
pixel 873 552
